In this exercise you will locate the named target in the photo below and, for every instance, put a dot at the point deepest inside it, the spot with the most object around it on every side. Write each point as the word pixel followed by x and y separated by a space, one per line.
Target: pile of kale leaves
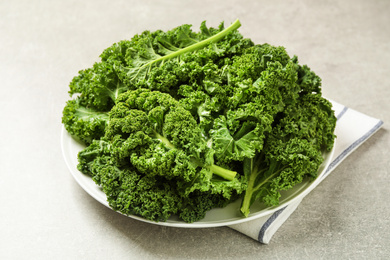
pixel 181 122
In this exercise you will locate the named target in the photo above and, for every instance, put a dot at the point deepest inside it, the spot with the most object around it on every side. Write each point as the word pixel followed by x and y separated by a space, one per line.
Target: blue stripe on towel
pixel 268 223
pixel 342 113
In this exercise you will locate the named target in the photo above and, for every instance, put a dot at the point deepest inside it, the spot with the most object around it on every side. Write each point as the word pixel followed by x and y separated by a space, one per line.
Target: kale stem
pixel 222 172
pixel 198 45
pixel 251 188
pixel 247 200
pixel 215 169
pixel 164 140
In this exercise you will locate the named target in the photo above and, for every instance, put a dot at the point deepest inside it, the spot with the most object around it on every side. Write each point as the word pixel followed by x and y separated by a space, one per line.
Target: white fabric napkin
pixel 352 129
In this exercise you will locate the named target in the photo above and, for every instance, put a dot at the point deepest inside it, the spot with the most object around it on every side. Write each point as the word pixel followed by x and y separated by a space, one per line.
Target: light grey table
pixel 44 214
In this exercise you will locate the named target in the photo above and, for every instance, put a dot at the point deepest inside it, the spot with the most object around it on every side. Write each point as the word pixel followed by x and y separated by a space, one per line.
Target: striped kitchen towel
pixel 352 129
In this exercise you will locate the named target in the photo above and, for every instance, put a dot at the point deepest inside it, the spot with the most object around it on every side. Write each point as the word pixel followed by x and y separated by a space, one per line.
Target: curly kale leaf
pixel 154 50
pixel 85 124
pixel 168 126
pixel 292 151
pixel 128 191
pixel 154 148
pixel 154 60
pixel 98 86
pixel 257 99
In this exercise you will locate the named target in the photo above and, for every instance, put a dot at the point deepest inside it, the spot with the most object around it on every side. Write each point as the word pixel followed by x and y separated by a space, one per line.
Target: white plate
pixel 229 215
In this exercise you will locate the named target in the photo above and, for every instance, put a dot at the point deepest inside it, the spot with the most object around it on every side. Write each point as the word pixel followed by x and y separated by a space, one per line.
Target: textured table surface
pixel 46 215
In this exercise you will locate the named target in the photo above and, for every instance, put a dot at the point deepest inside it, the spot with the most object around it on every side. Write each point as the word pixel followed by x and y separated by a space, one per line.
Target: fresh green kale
pixel 155 144
pixel 156 50
pixel 293 150
pixel 96 90
pixel 180 122
pixel 127 191
pixel 84 123
pixel 153 60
